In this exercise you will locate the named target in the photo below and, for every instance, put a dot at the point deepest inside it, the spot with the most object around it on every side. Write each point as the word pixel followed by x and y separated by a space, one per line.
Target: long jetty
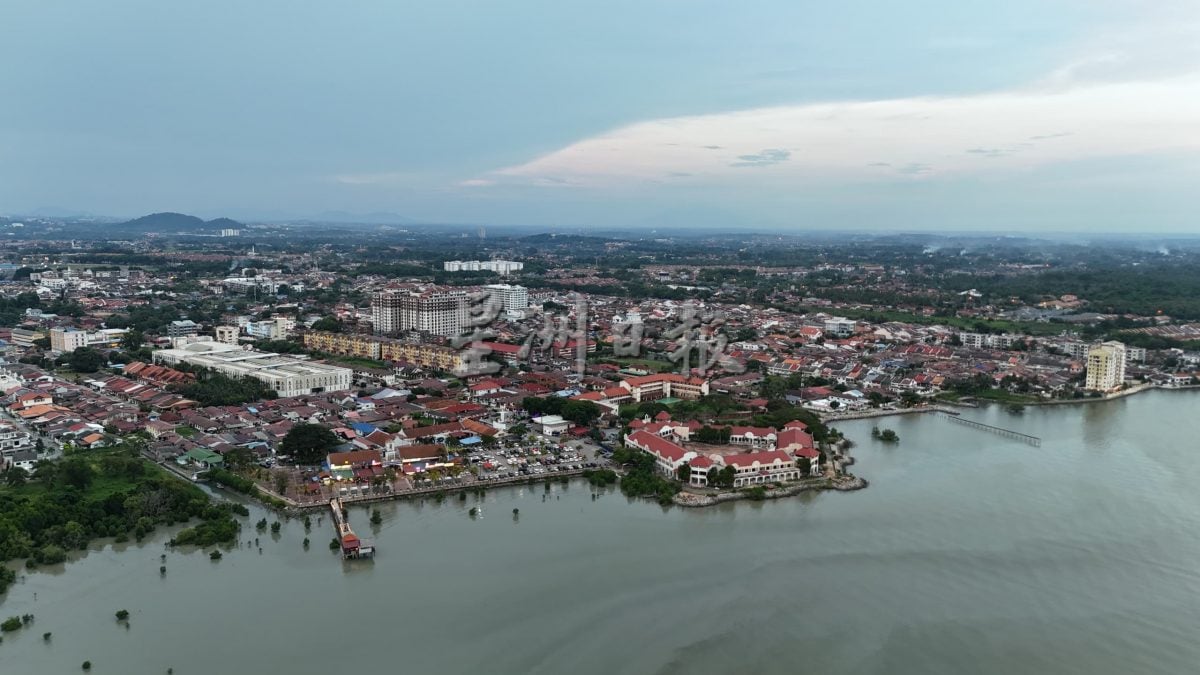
pixel 999 431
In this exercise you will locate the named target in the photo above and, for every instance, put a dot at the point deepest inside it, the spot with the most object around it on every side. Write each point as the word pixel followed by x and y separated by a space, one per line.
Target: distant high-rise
pixel 435 310
pixel 1106 367
pixel 500 266
pixel 515 298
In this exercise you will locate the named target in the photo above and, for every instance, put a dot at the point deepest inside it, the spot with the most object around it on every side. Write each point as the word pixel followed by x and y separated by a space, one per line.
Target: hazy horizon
pixel 1034 117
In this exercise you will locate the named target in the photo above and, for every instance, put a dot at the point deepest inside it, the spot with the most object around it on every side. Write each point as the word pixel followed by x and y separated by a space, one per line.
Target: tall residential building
pixel 1106 367
pixel 434 310
pixel 515 298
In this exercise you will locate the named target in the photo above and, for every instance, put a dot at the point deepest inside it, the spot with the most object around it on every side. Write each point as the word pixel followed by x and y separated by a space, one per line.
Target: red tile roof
pixel 762 458
pixel 657 445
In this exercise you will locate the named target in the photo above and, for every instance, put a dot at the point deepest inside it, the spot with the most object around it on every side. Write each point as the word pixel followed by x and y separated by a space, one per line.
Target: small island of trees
pixel 885 435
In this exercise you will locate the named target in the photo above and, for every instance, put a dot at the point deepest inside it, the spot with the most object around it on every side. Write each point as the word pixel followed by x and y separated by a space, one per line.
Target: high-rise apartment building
pixel 1106 367
pixel 431 309
pixel 515 298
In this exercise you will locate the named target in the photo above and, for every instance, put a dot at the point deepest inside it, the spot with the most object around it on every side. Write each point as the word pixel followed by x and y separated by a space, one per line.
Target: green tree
pixel 725 477
pixel 45 471
pixel 76 472
pixel 16 476
pixel 86 360
pixel 239 458
pixel 684 472
pixel 281 482
pixel 328 323
pixel 132 340
pixel 582 413
pixel 308 443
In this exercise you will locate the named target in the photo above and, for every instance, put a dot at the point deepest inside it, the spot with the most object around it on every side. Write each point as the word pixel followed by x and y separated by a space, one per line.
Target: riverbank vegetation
pixel 600 477
pixel 103 493
pixel 640 479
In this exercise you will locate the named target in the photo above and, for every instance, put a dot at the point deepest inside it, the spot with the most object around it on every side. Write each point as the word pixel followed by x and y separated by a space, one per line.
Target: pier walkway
pixel 999 431
pixel 352 546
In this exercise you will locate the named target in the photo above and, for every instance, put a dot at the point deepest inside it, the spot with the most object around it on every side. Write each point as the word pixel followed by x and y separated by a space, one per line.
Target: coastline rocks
pixel 846 483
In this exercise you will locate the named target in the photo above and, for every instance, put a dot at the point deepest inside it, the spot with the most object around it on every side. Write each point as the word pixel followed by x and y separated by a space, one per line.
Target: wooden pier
pixel 352 546
pixel 999 431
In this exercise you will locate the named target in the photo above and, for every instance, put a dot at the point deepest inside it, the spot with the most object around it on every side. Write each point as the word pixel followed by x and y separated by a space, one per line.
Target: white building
pixel 287 375
pixel 69 339
pixel 270 329
pixel 498 266
pixel 250 285
pixel 552 425
pixel 839 327
pixel 1106 367
pixel 514 298
pixel 990 341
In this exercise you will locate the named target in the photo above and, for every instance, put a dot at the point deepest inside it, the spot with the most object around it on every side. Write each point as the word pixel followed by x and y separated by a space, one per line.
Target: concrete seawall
pixel 845 483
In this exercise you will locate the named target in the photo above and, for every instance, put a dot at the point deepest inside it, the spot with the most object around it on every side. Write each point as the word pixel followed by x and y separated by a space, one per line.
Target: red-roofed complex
pixel 665 385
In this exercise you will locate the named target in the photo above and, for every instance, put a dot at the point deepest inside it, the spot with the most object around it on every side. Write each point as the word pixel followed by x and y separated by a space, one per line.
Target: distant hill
pixel 177 222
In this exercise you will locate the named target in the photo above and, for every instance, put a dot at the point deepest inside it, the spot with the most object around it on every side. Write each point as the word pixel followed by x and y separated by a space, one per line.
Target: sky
pixel 1025 115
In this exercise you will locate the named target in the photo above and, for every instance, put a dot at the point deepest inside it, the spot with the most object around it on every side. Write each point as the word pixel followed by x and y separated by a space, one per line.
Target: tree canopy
pixel 216 389
pixel 308 443
pixel 581 413
pixel 86 360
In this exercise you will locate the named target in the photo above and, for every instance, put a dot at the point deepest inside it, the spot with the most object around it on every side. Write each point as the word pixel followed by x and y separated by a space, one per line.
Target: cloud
pixel 1133 91
pixel 990 152
pixel 844 139
pixel 764 158
pixel 1046 137
pixel 477 182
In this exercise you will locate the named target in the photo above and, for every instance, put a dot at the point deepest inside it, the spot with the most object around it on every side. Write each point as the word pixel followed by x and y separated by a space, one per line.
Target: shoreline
pixel 844 483
pixel 947 406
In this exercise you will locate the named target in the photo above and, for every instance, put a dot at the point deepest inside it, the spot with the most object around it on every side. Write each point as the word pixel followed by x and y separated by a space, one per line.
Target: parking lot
pixel 535 459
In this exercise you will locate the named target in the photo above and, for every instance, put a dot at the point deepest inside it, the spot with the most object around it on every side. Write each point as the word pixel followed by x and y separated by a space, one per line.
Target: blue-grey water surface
pixel 969 553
